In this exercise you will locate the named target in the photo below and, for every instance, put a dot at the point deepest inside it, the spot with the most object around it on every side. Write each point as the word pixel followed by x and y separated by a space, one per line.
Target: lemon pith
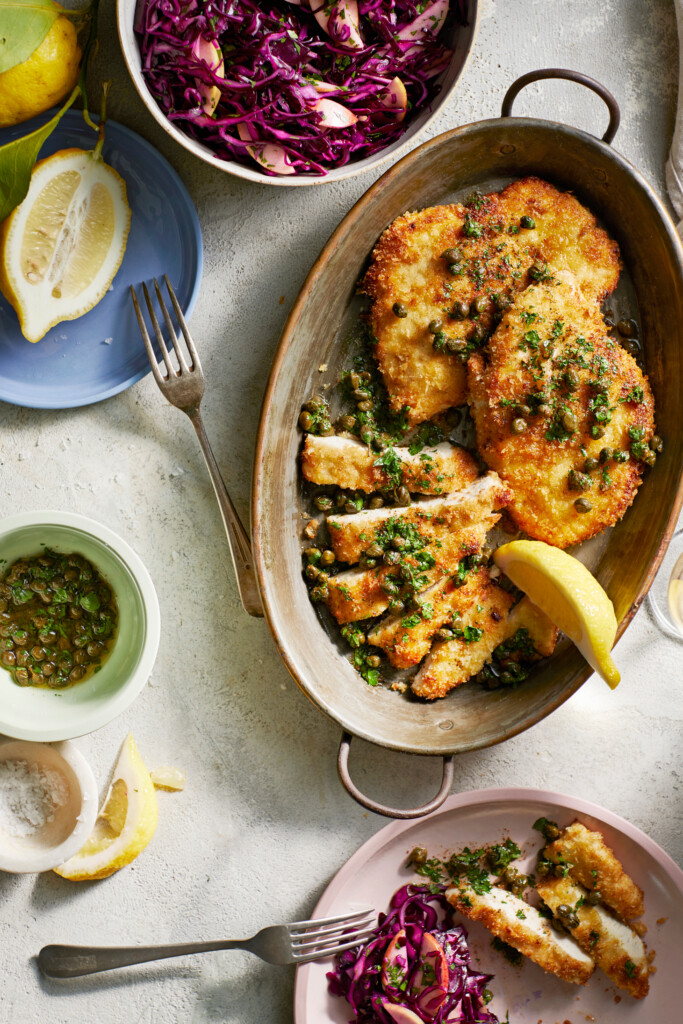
pixel 125 825
pixel 44 78
pixel 569 595
pixel 62 246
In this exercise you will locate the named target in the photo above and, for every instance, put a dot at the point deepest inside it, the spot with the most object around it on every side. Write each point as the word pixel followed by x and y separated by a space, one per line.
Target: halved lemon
pixel 61 247
pixel 569 595
pixel 125 825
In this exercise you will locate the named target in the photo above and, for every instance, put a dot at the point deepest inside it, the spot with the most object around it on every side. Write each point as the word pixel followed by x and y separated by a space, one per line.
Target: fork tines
pixel 186 363
pixel 312 939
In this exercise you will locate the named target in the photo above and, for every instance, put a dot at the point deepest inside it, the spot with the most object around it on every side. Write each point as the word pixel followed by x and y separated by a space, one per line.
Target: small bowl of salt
pixel 48 804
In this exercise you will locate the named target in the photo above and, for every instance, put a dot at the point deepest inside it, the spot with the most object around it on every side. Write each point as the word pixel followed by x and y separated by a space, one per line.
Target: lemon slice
pixel 61 247
pixel 569 595
pixel 125 824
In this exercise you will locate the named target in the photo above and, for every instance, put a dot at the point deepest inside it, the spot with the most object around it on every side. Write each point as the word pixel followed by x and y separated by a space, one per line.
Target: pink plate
pixel 530 996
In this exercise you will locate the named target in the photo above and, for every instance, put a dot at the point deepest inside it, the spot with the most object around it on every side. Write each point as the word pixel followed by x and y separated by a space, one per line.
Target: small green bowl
pixel 44 715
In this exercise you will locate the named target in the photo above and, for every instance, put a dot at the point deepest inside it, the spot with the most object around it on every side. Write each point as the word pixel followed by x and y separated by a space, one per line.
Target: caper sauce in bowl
pixel 58 619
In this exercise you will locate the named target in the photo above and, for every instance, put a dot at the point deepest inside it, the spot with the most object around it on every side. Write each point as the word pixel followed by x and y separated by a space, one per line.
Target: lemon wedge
pixel 569 595
pixel 61 247
pixel 125 824
pixel 45 78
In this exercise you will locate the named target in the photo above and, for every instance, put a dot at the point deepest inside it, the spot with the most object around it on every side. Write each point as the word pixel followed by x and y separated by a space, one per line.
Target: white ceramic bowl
pixel 461 43
pixel 70 806
pixel 41 714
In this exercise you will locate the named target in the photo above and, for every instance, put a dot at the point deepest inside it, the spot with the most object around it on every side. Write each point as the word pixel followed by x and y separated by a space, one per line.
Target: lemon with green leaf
pixel 44 78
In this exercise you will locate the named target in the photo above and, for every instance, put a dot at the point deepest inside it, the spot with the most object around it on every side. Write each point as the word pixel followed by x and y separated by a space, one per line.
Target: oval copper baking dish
pixel 478 154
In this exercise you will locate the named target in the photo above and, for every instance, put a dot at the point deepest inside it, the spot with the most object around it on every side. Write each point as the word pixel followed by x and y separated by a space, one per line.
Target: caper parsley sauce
pixel 58 620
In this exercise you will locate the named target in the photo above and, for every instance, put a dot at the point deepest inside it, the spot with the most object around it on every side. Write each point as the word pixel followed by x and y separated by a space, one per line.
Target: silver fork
pixel 183 386
pixel 295 943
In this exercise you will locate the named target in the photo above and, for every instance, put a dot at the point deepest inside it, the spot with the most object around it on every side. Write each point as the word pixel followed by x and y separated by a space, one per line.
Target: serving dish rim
pixel 281 354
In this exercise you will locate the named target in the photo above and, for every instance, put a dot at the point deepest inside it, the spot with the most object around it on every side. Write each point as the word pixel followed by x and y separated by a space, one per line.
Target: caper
pixel 621 456
pixel 627 328
pixel 434 326
pixel 305 421
pixel 456 345
pixel 354 379
pixel 374 660
pixel 366 435
pixel 593 897
pixel 450 254
pixel 376 502
pixel 8 658
pixel 605 455
pixel 366 405
pixel 375 550
pixel 366 375
pixel 597 432
pixel 369 563
pixel 568 916
pixel 527 222
pixel 312 405
pixel 455 268
pixel 21 676
pixel 544 409
pixel 439 340
pixel 360 394
pixel 482 304
pixel 350 507
pixel 327 557
pixel 403 496
pixel 444 633
pixel 656 444
pixel 590 464
pixel 571 380
pixel 479 334
pixel 569 421
pixel 577 481
pixel 460 311
pixel 399 543
pixel 632 346
pixel 506 678
pixel 538 271
pixel 319 593
pixel 478 560
pixel 543 868
pixel 417 856
pixel 391 557
pixel 75 612
pixel 48 668
pixel 399 310
pixel 347 422
pixel 649 457
pixel 522 410
pixel 38 653
pixel 388 587
pixel 323 502
pixel 518 426
pixel 583 505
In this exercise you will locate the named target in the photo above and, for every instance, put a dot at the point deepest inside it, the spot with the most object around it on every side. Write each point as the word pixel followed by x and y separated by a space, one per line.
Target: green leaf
pixel 18 158
pixel 25 23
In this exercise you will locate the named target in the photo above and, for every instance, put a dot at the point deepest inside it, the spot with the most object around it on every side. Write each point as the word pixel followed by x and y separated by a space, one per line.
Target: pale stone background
pixel 264 824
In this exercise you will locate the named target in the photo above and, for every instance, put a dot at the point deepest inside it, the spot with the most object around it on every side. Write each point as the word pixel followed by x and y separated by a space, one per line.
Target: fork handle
pixel 77 961
pixel 238 539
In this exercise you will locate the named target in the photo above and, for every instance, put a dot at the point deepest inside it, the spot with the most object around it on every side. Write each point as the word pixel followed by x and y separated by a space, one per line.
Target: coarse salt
pixel 29 796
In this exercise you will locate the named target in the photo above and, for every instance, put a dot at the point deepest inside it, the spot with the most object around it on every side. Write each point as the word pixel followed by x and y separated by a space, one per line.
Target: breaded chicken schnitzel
pixel 440 279
pixel 562 413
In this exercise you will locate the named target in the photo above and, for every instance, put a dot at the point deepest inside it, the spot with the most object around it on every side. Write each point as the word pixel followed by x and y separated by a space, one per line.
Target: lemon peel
pixel 125 825
pixel 62 246
pixel 45 78
pixel 569 595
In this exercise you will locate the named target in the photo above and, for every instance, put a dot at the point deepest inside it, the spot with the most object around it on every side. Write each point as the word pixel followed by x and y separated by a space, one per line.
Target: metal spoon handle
pixel 77 961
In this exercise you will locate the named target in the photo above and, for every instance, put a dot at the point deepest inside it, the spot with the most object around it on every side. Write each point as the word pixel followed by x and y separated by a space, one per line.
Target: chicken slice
pixel 614 946
pixel 348 463
pixel 542 633
pixel 521 926
pixel 358 594
pixel 593 864
pixel 489 256
pixel 432 518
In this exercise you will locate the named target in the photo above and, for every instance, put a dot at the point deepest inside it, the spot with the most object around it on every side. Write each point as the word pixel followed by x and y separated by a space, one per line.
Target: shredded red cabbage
pixel 280 59
pixel 376 993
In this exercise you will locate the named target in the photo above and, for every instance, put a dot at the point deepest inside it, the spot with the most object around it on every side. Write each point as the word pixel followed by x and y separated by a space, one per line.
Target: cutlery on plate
pixel 183 386
pixel 295 943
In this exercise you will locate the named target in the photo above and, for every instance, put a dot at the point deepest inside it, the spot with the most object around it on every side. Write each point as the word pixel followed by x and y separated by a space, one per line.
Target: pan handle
pixel 391 812
pixel 570 76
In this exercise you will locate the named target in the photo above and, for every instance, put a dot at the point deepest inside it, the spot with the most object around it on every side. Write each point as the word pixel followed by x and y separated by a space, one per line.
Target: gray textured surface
pixel 263 824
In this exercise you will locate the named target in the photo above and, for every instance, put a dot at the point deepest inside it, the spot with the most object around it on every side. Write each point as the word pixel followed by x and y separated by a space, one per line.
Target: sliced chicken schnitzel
pixel 363 593
pixel 562 413
pixel 348 463
pixel 615 947
pixel 522 927
pixel 441 277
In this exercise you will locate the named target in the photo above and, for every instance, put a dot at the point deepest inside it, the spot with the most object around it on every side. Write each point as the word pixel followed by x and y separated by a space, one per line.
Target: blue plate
pixel 85 360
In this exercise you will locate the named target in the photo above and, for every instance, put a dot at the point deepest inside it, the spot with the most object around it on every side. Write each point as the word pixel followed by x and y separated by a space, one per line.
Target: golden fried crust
pixel 522 927
pixel 490 257
pixel 542 632
pixel 345 462
pixel 551 354
pixel 357 594
pixel 594 865
pixel 615 947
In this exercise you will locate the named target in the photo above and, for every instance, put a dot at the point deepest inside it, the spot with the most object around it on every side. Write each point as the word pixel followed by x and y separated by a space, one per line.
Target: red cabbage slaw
pixel 297 86
pixel 379 994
